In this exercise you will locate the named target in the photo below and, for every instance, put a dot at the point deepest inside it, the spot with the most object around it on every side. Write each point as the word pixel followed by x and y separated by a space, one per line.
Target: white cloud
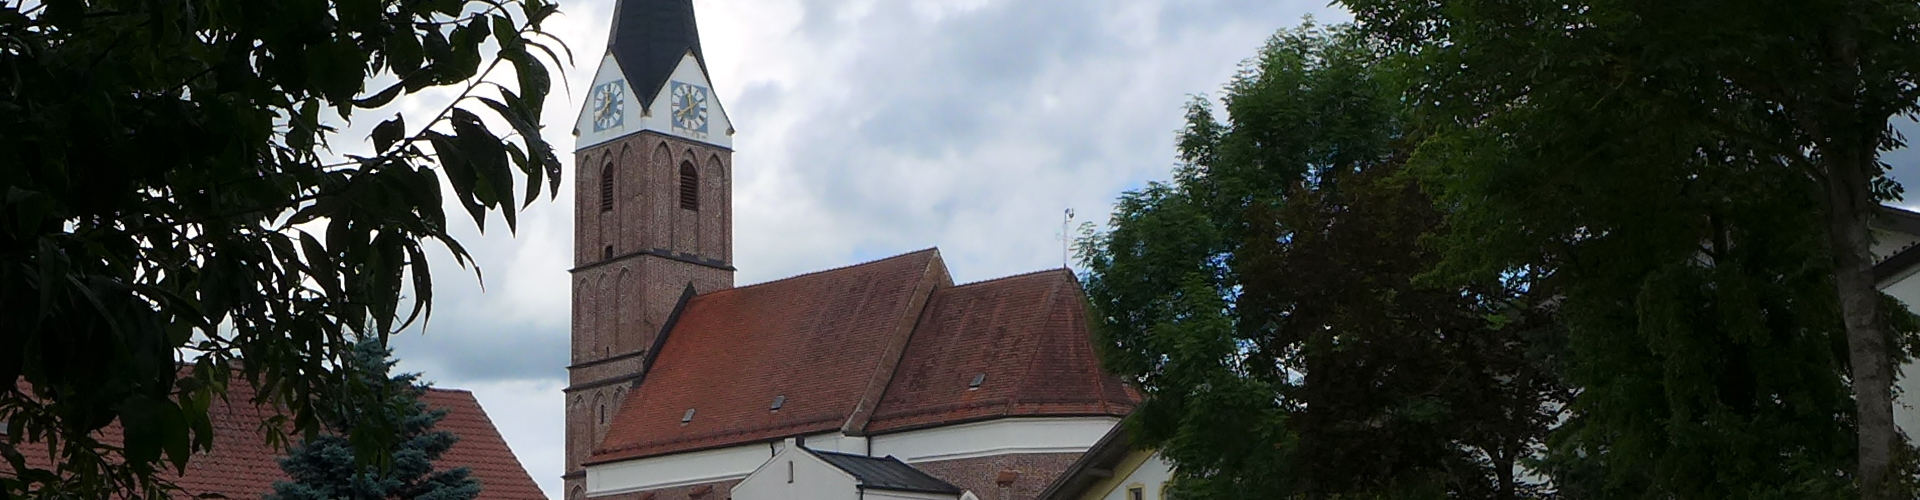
pixel 866 128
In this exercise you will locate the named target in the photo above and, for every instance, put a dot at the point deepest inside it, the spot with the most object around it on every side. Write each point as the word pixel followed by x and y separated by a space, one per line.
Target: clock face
pixel 609 105
pixel 690 108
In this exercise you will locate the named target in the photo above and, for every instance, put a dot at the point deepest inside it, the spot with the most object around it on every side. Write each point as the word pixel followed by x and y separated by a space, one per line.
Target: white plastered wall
pixel 1150 476
pixel 634 118
pixel 978 439
pixel 811 479
pixel 994 437
pixel 1904 413
pixel 680 469
pixel 837 442
pixel 1906 287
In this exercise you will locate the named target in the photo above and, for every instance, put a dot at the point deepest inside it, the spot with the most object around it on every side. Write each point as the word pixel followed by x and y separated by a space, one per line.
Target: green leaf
pixel 381 98
pixel 460 174
pixel 389 132
pixel 491 166
pixel 319 264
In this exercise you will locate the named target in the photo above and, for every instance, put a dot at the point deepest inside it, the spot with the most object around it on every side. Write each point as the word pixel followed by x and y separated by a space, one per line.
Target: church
pixel 882 379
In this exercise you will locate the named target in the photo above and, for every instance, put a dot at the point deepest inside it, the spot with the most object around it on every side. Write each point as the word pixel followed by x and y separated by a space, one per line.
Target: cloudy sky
pixel 867 128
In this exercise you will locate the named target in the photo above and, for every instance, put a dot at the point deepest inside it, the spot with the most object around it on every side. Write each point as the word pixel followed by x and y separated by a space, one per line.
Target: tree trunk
pixel 1851 206
pixel 1503 471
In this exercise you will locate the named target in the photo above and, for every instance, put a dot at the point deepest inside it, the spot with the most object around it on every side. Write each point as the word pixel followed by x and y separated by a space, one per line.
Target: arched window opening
pixel 689 187
pixel 606 188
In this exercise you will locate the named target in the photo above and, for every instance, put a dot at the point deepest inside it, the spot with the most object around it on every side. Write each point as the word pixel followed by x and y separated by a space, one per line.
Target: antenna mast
pixel 1066 240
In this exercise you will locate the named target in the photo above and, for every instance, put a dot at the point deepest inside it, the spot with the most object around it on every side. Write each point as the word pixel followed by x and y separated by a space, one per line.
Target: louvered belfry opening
pixel 606 188
pixel 689 187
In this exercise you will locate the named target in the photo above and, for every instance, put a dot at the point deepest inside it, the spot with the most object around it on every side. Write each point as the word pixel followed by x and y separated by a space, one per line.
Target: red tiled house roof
pixel 242 465
pixel 1024 336
pixel 881 346
pixel 823 340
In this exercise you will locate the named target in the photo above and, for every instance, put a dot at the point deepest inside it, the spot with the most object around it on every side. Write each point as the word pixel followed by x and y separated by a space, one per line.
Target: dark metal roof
pixel 649 38
pixel 1096 464
pixel 886 473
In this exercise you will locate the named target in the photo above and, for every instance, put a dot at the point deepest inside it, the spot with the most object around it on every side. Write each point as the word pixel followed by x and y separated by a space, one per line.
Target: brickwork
pixel 646 213
pixel 635 252
pixel 1034 471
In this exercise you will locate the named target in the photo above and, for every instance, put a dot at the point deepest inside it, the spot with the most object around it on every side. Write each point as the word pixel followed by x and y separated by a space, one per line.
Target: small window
pixel 778 401
pixel 789 471
pixel 1136 493
pixel 606 253
pixel 606 188
pixel 689 187
pixel 603 414
pixel 977 379
pixel 688 417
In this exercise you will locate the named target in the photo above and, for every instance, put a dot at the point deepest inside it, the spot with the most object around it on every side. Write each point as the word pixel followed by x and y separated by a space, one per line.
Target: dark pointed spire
pixel 649 38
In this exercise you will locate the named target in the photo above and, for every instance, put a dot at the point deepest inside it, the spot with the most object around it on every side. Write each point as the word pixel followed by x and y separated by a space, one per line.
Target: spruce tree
pixel 324 467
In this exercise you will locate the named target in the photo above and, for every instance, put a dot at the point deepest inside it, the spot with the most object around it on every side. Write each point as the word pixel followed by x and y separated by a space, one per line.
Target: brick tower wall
pixel 1030 473
pixel 632 263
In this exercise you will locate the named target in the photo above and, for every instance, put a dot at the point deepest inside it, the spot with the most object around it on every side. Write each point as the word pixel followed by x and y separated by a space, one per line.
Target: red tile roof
pixel 1025 337
pixel 481 448
pixel 242 464
pixel 826 341
pixel 883 346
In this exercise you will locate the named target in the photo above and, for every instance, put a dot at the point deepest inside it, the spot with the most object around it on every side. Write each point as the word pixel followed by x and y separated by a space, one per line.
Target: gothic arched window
pixel 689 187
pixel 606 188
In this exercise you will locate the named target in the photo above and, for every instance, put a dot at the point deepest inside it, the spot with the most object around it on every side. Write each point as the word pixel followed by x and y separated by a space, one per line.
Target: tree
pixel 1699 175
pixel 171 197
pixel 325 467
pixel 1266 302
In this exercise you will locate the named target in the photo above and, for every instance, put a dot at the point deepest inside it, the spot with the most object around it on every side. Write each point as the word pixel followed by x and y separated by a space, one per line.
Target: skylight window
pixel 688 417
pixel 778 401
pixel 977 379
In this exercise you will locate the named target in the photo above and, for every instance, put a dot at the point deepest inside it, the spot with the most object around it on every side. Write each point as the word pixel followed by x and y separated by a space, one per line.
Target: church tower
pixel 653 209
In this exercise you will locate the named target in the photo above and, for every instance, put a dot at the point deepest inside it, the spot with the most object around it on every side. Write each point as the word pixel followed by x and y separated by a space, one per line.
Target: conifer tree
pixel 325 468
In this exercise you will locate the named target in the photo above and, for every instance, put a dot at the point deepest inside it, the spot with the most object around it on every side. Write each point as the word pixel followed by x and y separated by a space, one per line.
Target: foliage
pixel 169 196
pixel 1692 180
pixel 325 468
pixel 1265 302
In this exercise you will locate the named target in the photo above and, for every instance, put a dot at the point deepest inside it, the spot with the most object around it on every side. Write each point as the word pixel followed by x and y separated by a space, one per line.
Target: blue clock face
pixel 689 108
pixel 609 105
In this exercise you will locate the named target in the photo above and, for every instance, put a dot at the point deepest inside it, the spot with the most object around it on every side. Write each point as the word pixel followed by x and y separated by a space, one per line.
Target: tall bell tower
pixel 653 209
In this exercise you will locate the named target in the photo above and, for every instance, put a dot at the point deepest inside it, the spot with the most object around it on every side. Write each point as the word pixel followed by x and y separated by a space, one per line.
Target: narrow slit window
pixel 689 187
pixel 606 188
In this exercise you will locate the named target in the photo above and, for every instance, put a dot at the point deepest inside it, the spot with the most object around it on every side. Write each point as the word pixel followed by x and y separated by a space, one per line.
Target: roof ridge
pixel 882 375
pixel 1027 274
pixel 828 270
